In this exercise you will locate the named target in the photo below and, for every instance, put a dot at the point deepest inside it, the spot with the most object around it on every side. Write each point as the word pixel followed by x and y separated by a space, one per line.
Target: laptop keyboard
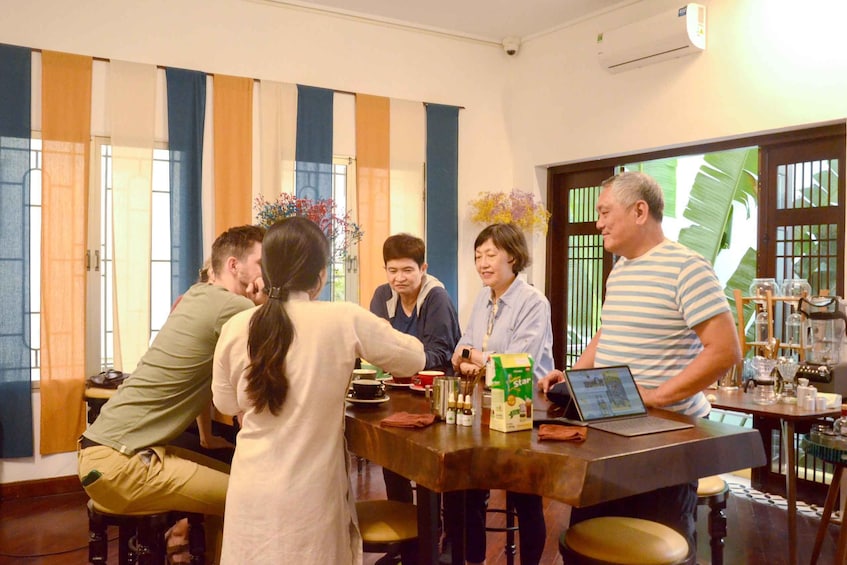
pixel 640 426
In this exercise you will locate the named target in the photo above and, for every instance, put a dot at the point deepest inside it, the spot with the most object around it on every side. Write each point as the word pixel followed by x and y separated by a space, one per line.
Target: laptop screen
pixel 605 392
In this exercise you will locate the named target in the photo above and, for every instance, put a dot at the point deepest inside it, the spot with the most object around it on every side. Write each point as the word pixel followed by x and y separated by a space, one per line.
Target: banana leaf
pixel 725 177
pixel 664 171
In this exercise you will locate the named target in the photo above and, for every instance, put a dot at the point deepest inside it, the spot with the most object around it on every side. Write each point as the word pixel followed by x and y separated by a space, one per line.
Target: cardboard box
pixel 509 375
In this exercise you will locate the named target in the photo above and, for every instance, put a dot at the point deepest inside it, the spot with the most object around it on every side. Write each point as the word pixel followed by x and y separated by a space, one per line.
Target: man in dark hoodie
pixel 415 303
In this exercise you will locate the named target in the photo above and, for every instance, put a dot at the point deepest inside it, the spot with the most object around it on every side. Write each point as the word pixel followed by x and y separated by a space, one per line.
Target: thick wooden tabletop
pixel 606 466
pixel 740 401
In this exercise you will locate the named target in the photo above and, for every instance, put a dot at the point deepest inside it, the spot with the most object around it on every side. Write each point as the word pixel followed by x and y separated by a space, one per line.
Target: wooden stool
pixel 510 527
pixel 713 492
pixel 141 535
pixel 386 525
pixel 622 541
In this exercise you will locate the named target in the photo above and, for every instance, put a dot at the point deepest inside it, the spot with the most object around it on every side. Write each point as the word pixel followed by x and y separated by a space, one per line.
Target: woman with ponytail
pixel 285 367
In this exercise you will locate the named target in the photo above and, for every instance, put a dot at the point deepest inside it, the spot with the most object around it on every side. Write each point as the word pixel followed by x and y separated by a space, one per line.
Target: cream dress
pixel 289 497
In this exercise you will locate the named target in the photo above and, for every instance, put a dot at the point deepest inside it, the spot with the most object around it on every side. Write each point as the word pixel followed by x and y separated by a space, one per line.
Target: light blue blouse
pixel 521 325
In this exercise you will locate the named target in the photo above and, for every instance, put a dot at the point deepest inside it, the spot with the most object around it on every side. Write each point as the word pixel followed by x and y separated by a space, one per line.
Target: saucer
pixel 353 400
pixel 390 382
pixel 417 388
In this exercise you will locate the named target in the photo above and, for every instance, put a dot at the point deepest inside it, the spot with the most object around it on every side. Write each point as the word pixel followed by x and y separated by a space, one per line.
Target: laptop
pixel 607 398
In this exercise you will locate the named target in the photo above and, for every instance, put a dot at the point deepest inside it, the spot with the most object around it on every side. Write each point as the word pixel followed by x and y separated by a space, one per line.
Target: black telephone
pixel 111 378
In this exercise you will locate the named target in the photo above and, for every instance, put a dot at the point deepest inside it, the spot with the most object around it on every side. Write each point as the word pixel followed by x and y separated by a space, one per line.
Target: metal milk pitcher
pixel 443 389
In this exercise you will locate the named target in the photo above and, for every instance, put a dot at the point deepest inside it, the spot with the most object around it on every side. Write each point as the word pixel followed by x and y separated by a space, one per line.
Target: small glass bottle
pixel 451 410
pixel 467 411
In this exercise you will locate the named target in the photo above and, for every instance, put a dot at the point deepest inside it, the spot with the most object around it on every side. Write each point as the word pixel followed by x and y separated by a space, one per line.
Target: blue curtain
pixel 313 154
pixel 314 142
pixel 15 353
pixel 442 190
pixel 186 114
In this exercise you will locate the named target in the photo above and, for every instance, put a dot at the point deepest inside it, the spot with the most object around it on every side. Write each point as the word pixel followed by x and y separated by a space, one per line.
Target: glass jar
pixel 796 288
pixel 760 287
pixel 765 391
pixel 840 425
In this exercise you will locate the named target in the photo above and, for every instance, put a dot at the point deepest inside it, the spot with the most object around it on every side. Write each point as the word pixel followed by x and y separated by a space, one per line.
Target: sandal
pixel 176 540
pixel 178 554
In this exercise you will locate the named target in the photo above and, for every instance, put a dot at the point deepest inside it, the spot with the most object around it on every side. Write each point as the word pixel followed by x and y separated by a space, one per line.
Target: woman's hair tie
pixel 275 293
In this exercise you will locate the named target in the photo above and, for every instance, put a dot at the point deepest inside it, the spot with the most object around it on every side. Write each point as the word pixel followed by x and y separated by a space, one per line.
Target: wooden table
pixel 788 415
pixel 443 458
pixel 831 450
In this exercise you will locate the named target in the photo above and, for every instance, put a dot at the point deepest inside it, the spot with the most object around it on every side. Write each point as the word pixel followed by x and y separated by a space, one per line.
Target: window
pixel 102 256
pixel 714 194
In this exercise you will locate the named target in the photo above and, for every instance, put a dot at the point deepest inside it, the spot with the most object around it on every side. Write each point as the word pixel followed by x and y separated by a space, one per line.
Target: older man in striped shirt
pixel 666 316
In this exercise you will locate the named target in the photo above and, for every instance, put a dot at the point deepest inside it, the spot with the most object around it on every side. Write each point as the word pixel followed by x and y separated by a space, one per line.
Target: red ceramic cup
pixel 425 378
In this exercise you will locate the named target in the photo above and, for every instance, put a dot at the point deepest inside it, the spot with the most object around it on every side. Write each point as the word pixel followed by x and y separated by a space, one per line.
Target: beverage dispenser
pixel 827 331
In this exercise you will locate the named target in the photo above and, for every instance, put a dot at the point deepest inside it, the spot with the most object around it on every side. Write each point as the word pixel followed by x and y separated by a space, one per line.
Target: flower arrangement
pixel 517 207
pixel 341 231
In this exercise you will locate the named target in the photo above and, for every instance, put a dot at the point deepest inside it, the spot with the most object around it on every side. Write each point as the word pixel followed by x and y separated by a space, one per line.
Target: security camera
pixel 511 45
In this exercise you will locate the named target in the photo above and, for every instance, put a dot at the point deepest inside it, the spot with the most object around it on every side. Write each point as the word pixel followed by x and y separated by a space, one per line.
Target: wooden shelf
pixel 768 303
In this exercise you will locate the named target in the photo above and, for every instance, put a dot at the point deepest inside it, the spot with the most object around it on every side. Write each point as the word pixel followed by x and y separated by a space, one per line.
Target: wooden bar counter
pixel 443 458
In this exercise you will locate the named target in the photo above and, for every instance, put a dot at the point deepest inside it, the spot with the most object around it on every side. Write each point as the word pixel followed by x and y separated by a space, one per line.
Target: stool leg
pixel 196 539
pixel 717 530
pixel 829 504
pixel 510 532
pixel 97 541
pixel 125 533
pixel 150 540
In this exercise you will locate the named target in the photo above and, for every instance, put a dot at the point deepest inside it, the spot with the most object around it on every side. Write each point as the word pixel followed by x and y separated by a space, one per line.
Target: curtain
pixel 314 142
pixel 233 111
pixel 373 189
pixel 132 103
pixel 15 298
pixel 278 125
pixel 442 190
pixel 66 124
pixel 408 153
pixel 186 115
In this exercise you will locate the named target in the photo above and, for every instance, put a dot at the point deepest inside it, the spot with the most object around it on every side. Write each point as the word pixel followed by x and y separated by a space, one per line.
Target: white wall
pixel 768 65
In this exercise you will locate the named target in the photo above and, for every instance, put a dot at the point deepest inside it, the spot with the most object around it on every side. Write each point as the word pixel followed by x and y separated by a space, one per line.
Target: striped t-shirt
pixel 651 304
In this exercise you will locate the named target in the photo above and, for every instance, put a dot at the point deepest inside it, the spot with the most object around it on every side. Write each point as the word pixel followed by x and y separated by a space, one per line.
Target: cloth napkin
pixel 555 432
pixel 408 420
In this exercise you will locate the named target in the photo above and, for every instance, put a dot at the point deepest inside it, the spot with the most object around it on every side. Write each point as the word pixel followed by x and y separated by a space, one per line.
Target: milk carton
pixel 509 375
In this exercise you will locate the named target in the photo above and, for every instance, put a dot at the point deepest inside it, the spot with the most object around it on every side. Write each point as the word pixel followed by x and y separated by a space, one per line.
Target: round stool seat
pixel 626 541
pixel 387 521
pixel 708 486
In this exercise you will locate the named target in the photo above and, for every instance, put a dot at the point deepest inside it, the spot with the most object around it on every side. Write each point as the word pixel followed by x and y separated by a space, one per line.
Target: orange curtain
pixel 233 111
pixel 373 189
pixel 66 130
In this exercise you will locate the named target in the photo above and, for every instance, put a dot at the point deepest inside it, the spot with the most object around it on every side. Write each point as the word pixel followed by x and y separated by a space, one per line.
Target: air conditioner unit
pixel 674 33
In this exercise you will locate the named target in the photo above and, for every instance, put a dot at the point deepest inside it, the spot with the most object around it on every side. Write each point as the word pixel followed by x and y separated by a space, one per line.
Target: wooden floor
pixel 52 530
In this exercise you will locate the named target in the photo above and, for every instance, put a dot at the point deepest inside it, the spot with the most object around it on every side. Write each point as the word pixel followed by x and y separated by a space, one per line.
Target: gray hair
pixel 630 187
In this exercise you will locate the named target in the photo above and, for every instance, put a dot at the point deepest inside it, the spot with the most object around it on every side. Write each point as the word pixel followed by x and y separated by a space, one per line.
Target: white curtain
pixel 278 138
pixel 132 99
pixel 408 154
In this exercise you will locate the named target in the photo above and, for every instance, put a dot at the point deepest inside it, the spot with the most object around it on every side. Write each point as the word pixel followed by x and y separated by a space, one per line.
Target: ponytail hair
pixel 294 253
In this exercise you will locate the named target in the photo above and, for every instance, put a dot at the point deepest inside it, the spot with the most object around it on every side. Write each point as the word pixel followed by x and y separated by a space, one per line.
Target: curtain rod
pixel 336 90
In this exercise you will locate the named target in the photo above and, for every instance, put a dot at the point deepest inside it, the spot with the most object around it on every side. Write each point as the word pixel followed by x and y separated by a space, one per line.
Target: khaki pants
pixel 158 479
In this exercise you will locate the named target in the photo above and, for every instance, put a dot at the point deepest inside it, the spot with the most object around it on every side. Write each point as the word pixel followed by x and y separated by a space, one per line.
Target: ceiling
pixel 486 20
